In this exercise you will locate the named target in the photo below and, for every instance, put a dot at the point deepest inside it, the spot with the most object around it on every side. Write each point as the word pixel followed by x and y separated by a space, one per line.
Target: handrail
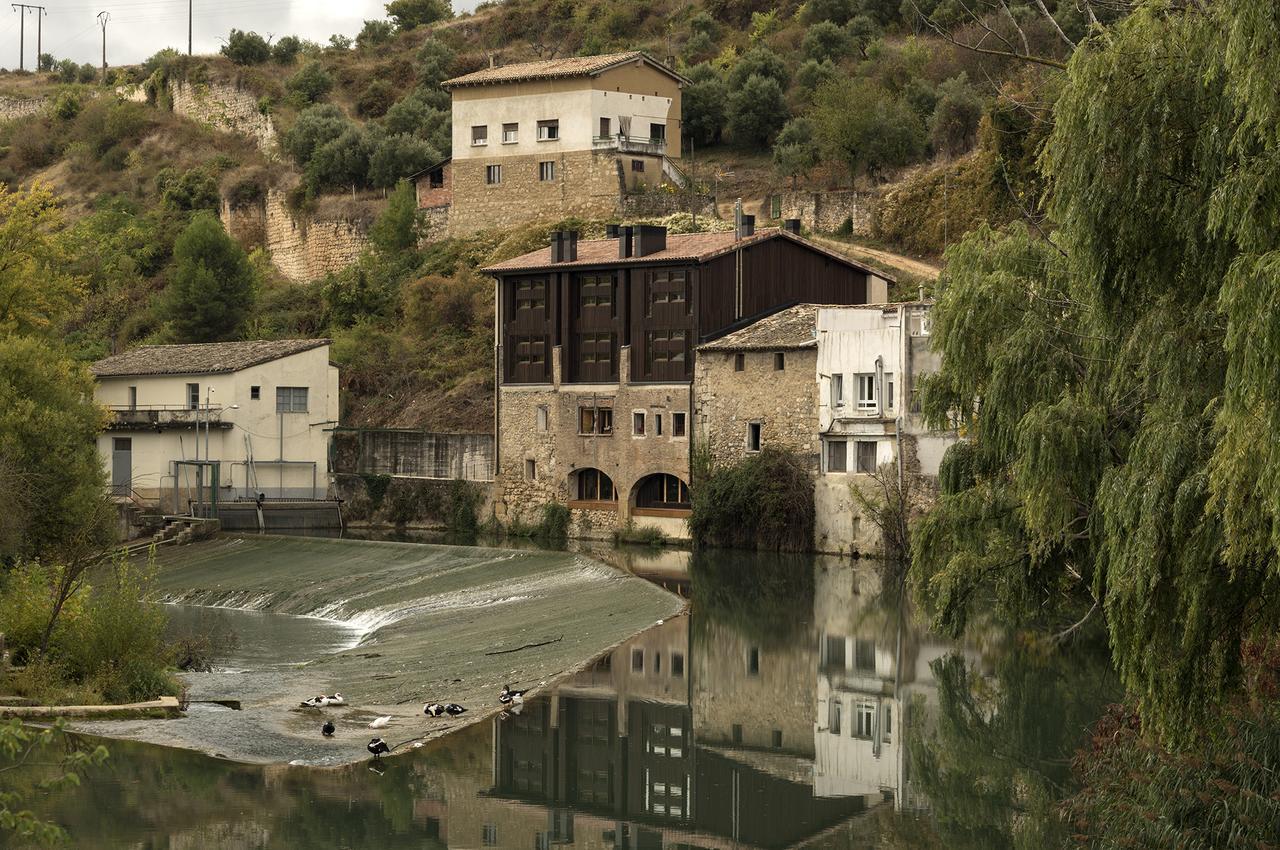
pixel 176 408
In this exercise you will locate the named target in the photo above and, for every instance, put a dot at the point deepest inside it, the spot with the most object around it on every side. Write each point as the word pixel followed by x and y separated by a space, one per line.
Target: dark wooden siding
pixel 595 326
pixel 527 338
pixel 663 324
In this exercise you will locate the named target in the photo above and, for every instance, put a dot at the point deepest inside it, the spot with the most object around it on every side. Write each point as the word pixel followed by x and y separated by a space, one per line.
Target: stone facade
pixel 223 107
pixel 825 212
pixel 12 108
pixel 431 197
pixel 662 203
pixel 536 465
pixel 784 402
pixel 302 251
pixel 588 183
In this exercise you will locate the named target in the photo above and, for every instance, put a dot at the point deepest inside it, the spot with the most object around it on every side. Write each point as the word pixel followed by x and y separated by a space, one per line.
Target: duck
pixel 336 699
pixel 328 729
pixel 381 722
pixel 377 747
pixel 453 709
pixel 433 709
pixel 314 702
pixel 509 696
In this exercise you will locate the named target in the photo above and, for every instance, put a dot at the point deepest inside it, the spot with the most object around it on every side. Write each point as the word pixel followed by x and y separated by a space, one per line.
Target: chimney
pixel 569 246
pixel 611 231
pixel 557 247
pixel 792 225
pixel 624 242
pixel 493 60
pixel 650 239
pixel 746 226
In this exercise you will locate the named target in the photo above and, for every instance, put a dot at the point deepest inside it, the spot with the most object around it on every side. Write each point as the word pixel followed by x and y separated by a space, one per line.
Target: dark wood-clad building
pixel 596 340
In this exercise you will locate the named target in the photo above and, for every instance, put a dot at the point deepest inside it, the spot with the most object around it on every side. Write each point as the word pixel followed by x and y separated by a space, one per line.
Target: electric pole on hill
pixel 103 17
pixel 190 13
pixel 23 9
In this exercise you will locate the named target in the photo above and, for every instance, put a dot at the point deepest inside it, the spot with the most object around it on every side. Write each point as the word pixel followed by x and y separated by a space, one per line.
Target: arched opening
pixel 661 494
pixel 593 488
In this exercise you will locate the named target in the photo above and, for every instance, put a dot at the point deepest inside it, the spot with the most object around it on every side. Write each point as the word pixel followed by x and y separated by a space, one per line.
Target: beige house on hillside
pixel 559 137
pixel 248 417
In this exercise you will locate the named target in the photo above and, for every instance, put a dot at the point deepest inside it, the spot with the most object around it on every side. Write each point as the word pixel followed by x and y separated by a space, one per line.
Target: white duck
pixel 381 722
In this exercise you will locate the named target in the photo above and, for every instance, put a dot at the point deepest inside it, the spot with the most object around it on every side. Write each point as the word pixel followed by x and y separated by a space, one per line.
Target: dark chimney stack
pixel 624 242
pixel 746 226
pixel 557 246
pixel 792 225
pixel 650 239
pixel 564 246
pixel 611 231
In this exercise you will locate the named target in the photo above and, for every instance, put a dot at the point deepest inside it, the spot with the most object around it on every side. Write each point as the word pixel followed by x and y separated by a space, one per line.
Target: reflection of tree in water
pixel 997 761
pixel 763 595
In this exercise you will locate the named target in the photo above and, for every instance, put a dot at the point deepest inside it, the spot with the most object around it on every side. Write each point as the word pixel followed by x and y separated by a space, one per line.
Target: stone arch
pixel 660 491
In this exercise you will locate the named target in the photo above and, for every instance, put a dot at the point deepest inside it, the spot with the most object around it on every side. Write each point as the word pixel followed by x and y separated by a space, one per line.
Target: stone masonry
pixel 224 107
pixel 826 211
pixel 302 251
pixel 19 107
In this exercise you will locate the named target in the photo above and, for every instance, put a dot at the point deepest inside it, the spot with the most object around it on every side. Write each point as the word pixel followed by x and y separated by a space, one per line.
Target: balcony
pixel 630 144
pixel 127 417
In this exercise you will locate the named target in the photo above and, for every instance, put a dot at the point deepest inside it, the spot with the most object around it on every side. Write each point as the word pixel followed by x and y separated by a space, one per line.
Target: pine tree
pixel 213 286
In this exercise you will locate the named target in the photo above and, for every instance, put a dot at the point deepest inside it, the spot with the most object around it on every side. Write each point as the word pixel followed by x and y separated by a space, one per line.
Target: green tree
pixel 46 62
pixel 397 156
pixel 862 31
pixel 703 105
pixel 195 189
pixel 22 746
pixel 863 126
pixel 837 11
pixel 213 285
pixel 36 289
pixel 795 152
pixel 415 13
pixel 759 62
pixel 813 75
pixel 436 62
pixel 342 162
pixel 315 127
pixel 311 83
pixel 376 99
pixel 396 230
pixel 756 111
pixel 246 48
pixel 825 41
pixel 954 126
pixel 374 33
pixel 286 50
pixel 417 116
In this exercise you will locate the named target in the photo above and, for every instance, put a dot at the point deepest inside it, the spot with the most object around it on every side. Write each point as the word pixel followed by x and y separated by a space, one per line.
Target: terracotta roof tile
pixel 207 358
pixel 547 69
pixel 794 327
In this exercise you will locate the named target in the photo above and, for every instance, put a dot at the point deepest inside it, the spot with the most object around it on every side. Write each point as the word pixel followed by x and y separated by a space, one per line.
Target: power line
pixel 23 9
pixel 103 17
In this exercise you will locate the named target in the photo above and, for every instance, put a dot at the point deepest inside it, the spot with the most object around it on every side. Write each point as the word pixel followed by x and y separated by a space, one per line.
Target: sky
pixel 138 28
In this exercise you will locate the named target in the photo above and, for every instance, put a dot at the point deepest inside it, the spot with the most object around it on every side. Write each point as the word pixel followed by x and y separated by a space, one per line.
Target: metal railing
pixel 631 144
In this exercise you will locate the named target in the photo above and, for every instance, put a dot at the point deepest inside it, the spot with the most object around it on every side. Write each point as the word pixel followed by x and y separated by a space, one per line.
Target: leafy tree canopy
pixel 35 286
pixel 864 126
pixel 213 286
pixel 246 48
pixel 415 13
pixel 757 111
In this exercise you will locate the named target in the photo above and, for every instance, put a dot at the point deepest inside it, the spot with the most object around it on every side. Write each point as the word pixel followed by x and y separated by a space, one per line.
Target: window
pixel 493 174
pixel 888 722
pixel 510 134
pixel 779 361
pixel 530 357
pixel 193 396
pixel 777 739
pixel 530 297
pixel 866 456
pixel 837 390
pixel 637 165
pixel 737 733
pixel 664 491
pixel 595 355
pixel 637 660
pixel 837 456
pixel 531 469
pixel 677 665
pixel 915 400
pixel 864 720
pixel 753 661
pixel 657 132
pixel 133 398
pixel 739 362
pixel 480 135
pixel 489 835
pixel 547 171
pixel 864 656
pixel 595 420
pixel 667 294
pixel 637 424
pixel 291 399
pixel 657 662
pixel 677 424
pixel 835 651
pixel 833 716
pixel 544 416
pixel 888 391
pixel 606 128
pixel 595 486
pixel 435 178
pixel 753 436
pixel 657 424
pixel 255 393
pixel 548 131
pixel 866 392
pixel 665 353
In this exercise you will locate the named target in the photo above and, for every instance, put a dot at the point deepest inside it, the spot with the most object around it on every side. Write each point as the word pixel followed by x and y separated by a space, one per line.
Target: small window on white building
pixel 480 135
pixel 510 134
pixel 657 132
pixel 255 393
pixel 888 391
pixel 549 131
pixel 864 720
pixel 193 396
pixel 754 430
pixel 866 392
pixel 833 715
pixel 606 128
pixel 637 165
pixel 866 456
pixel 837 456
pixel 133 398
pixel 493 174
pixel 291 399
pixel 837 390
pixel 547 171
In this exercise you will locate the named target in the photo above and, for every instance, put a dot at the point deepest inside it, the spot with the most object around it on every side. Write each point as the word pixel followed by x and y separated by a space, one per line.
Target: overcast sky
pixel 138 28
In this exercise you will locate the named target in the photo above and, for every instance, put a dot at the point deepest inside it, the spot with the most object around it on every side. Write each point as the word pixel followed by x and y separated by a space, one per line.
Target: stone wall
pixel 827 211
pixel 418 454
pixel 223 107
pixel 430 197
pixel 558 451
pixel 661 203
pixel 302 250
pixel 19 107
pixel 587 184
pixel 784 402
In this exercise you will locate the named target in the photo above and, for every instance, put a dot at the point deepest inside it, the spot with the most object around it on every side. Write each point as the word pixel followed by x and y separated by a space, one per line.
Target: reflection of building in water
pixel 875 687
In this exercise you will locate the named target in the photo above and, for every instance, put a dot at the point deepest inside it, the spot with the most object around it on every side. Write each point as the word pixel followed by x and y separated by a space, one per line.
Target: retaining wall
pixel 827 211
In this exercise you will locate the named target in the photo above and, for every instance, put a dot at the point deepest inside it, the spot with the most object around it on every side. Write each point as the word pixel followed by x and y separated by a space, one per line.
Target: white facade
pixel 869 362
pixel 266 427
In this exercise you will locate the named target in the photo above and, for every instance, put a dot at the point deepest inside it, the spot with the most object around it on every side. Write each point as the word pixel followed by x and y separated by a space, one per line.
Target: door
pixel 121 466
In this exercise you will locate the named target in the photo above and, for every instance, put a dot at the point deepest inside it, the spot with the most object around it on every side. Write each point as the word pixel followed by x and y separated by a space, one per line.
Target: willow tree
pixel 1119 376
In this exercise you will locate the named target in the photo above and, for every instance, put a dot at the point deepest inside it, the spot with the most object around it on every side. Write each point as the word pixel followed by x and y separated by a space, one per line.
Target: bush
pixel 825 41
pixel 756 111
pixel 762 502
pixel 415 13
pixel 795 152
pixel 376 99
pixel 246 48
pixel 374 33
pixel 703 105
pixel 396 230
pixel 759 62
pixel 67 105
pixel 311 83
pixel 213 286
pixel 698 48
pixel 286 50
pixel 863 126
pixel 954 126
pixel 861 31
pixel 416 116
pixel 396 157
pixel 66 71
pixel 342 162
pixel 195 190
pixel 435 63
pixel 86 74
pixel 315 127
pixel 813 75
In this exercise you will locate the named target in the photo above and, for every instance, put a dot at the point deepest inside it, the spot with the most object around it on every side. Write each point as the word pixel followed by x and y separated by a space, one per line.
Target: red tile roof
pixel 549 69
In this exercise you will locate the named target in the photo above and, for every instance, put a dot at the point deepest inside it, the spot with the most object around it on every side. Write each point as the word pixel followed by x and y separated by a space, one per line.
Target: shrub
pixel 813 75
pixel 415 13
pixel 861 31
pixel 703 105
pixel 246 48
pixel 396 230
pixel 286 50
pixel 397 156
pixel 376 99
pixel 67 105
pixel 196 189
pixel 67 71
pixel 86 74
pixel 435 63
pixel 795 152
pixel 756 111
pixel 954 126
pixel 342 162
pixel 416 116
pixel 698 48
pixel 762 502
pixel 374 33
pixel 838 11
pixel 759 62
pixel 376 486
pixel 311 83
pixel 825 41
pixel 315 127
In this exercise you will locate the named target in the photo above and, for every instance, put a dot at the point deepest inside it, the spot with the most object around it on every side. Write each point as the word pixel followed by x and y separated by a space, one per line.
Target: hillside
pixel 320 136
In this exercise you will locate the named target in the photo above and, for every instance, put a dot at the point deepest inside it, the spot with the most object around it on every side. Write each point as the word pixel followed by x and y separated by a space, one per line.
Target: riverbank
pixel 405 624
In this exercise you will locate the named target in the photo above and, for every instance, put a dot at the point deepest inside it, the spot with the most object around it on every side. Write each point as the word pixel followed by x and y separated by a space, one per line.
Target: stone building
pixel 559 137
pixel 596 349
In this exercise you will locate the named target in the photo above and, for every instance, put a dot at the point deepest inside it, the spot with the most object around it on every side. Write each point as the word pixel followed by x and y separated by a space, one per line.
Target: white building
pixel 870 360
pixel 251 417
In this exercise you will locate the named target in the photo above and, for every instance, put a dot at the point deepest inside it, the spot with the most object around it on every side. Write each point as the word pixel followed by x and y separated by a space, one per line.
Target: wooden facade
pixel 663 311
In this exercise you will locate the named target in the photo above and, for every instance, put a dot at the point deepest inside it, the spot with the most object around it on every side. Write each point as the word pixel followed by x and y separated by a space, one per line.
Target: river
pixel 799 703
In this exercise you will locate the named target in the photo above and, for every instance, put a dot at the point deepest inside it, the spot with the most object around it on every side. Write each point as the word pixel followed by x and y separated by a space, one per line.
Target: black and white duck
pixel 508 696
pixel 377 747
pixel 328 729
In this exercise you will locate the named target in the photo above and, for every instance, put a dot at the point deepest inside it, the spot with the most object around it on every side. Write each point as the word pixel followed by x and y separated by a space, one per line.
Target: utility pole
pixel 190 15
pixel 103 17
pixel 23 9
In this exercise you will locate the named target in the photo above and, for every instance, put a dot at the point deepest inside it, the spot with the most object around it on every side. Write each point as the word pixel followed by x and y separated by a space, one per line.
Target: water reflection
pixel 798 705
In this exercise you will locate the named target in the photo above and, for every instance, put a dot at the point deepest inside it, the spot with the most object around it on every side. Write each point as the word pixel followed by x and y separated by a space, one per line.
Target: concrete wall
pixel 300 437
pixel 301 250
pixel 826 211
pixel 224 107
pixel 12 108
pixel 418 454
